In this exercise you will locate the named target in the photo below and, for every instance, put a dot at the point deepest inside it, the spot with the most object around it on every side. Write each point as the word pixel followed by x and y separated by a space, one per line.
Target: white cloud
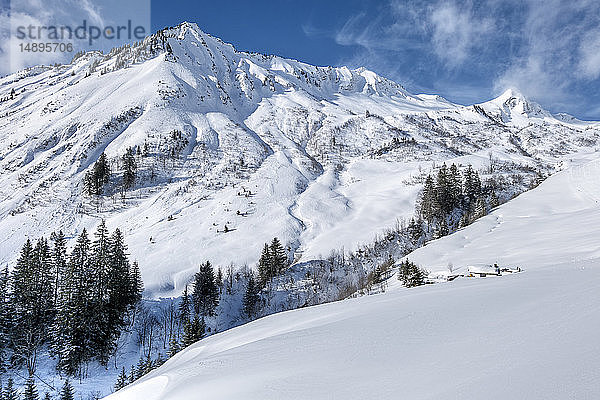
pixel 560 48
pixel 589 52
pixel 456 32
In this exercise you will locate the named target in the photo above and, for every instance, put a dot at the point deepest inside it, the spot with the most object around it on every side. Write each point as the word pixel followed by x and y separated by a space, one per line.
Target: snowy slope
pixel 267 147
pixel 556 223
pixel 531 335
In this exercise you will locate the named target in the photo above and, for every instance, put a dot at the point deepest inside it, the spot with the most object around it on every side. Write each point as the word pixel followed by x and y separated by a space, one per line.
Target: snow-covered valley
pixel 530 335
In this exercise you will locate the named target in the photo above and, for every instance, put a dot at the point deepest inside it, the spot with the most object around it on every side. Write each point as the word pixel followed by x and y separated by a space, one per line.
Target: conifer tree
pixel 444 192
pixel 140 369
pixel 173 347
pixel 10 393
pixel 32 302
pixel 410 274
pixel 71 334
pixel 67 392
pixel 121 380
pixel 278 256
pixel 98 176
pixel 265 266
pixel 251 297
pixel 471 185
pixel 132 374
pixel 30 392
pixel 193 331
pixel 415 230
pixel 428 200
pixel 130 169
pixel 480 208
pixel 103 317
pixel 121 290
pixel 5 319
pixel 59 260
pixel 494 201
pixel 137 284
pixel 184 307
pixel 205 296
pixel 455 182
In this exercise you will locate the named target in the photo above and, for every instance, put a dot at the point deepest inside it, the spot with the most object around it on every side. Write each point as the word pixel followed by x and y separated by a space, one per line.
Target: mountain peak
pixel 512 105
pixel 511 93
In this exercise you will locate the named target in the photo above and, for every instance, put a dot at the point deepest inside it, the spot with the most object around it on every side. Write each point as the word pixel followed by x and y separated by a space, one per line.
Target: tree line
pixel 451 200
pixel 74 303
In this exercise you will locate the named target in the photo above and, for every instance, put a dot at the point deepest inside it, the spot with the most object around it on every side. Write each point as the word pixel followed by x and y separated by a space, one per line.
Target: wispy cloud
pixel 560 49
pixel 550 50
pixel 456 32
pixel 589 55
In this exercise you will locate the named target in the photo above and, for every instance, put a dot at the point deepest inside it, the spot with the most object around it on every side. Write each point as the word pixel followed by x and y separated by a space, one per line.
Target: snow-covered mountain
pixel 320 157
pixel 529 335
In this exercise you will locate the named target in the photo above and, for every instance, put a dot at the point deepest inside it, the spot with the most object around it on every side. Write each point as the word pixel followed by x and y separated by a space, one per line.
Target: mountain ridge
pixel 331 156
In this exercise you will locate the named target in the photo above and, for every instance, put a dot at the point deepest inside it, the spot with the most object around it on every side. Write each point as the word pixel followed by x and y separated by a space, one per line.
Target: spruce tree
pixel 103 317
pixel 410 274
pixel 132 374
pixel 67 392
pixel 70 333
pixel 121 291
pixel 251 297
pixel 59 260
pixel 10 393
pixel 140 369
pixel 415 230
pixel 97 177
pixel 5 319
pixel 193 331
pixel 480 208
pixel 471 185
pixel 265 266
pixel 455 184
pixel 32 302
pixel 205 296
pixel 428 201
pixel 184 307
pixel 130 169
pixel 444 192
pixel 278 256
pixel 121 380
pixel 173 347
pixel 494 201
pixel 137 284
pixel 30 392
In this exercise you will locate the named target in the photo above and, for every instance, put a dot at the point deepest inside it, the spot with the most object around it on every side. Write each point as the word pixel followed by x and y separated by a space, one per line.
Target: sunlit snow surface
pixel 280 116
pixel 531 335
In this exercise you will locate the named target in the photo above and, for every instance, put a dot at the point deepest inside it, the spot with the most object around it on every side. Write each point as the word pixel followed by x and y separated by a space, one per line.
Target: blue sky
pixel 467 51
